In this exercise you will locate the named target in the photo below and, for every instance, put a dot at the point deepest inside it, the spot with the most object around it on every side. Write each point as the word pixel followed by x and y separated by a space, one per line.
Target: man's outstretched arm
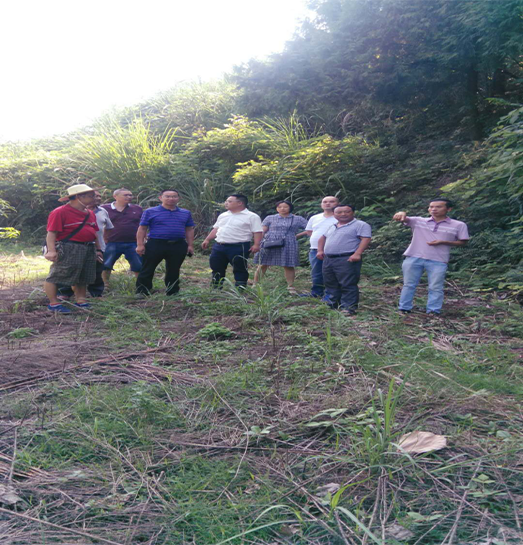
pixel 400 216
pixel 447 242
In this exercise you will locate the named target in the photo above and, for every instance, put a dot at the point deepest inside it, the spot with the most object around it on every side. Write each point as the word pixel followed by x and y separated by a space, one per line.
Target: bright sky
pixel 66 61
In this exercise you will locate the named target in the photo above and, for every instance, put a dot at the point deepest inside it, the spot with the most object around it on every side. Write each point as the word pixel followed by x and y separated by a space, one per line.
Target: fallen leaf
pixel 443 344
pixel 417 442
pixel 329 488
pixel 8 496
pixel 252 488
pixel 288 530
pixel 398 532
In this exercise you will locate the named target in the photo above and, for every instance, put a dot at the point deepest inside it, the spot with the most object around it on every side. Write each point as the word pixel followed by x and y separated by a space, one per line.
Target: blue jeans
pixel 318 287
pixel 413 268
pixel 114 250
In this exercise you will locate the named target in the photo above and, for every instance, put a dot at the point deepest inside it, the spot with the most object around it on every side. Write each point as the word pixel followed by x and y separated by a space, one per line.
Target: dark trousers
pixel 341 279
pixel 235 254
pixel 156 250
pixel 95 289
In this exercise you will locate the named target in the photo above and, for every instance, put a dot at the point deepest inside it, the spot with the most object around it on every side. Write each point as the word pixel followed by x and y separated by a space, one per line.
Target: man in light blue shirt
pixel 340 249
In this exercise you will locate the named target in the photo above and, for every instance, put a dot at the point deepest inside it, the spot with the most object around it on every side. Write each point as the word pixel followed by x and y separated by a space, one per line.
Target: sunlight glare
pixel 68 61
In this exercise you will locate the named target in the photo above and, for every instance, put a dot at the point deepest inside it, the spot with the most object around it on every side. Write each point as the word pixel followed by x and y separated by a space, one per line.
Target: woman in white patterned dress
pixel 282 226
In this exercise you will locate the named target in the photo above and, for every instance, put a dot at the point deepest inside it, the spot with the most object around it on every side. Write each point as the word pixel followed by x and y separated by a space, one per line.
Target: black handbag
pixel 277 242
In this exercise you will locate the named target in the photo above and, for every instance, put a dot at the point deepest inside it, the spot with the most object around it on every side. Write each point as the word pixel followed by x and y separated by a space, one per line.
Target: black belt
pixel 172 241
pixel 76 242
pixel 339 255
pixel 232 243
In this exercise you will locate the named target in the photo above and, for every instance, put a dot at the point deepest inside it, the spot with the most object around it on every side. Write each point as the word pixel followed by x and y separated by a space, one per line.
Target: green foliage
pixel 190 108
pixel 132 156
pixel 319 166
pixel 9 232
pixel 393 66
pixel 32 176
pixel 493 201
pixel 215 331
pixel 21 333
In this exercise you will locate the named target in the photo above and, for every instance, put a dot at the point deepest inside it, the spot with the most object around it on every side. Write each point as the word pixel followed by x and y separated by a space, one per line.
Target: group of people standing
pixel 85 239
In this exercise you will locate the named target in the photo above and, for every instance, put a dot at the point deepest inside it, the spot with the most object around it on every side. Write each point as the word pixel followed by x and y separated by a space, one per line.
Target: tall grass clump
pixel 132 156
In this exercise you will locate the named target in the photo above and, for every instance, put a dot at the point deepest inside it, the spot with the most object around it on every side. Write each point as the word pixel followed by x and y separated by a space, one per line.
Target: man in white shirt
pixel 233 232
pixel 316 228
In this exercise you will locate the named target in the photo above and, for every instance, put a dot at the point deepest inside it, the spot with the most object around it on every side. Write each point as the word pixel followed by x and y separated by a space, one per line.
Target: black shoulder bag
pixel 278 242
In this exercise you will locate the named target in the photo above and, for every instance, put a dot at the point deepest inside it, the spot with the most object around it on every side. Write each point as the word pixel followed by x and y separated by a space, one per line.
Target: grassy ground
pixel 218 417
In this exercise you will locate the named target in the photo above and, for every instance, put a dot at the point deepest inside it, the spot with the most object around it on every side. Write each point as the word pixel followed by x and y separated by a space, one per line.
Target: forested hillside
pixel 383 102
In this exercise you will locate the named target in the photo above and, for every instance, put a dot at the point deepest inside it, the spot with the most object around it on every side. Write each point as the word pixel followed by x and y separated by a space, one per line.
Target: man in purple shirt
pixel 429 250
pixel 122 239
pixel 170 237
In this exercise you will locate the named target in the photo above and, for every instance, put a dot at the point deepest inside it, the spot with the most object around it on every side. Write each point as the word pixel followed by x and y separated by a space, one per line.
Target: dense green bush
pixel 492 199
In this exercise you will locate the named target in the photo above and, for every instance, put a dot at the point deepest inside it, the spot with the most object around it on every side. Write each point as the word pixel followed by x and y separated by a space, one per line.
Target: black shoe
pixel 403 311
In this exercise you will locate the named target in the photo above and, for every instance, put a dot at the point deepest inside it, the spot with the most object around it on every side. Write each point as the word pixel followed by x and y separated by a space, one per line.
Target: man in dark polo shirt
pixel 171 237
pixel 121 240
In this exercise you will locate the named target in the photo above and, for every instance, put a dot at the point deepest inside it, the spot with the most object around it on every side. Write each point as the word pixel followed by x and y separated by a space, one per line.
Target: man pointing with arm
pixel 429 250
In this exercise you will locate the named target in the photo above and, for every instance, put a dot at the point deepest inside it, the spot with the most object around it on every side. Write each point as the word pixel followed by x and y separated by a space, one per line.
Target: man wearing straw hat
pixel 72 247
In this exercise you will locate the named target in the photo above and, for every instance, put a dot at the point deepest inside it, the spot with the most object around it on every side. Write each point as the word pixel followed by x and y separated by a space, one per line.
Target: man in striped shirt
pixel 171 238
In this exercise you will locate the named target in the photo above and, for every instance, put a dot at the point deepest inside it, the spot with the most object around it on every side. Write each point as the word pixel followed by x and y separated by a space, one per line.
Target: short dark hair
pixel 165 191
pixel 352 207
pixel 289 204
pixel 447 202
pixel 240 197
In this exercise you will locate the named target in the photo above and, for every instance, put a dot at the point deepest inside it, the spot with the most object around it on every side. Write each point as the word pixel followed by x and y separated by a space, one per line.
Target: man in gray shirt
pixel 341 248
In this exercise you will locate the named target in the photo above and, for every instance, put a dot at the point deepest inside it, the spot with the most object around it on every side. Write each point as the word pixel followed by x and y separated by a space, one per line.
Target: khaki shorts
pixel 76 264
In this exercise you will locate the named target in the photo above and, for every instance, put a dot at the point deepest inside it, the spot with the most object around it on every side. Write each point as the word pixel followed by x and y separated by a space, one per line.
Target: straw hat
pixel 76 190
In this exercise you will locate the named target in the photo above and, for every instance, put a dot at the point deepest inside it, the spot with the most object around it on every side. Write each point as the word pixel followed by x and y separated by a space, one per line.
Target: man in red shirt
pixel 72 247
